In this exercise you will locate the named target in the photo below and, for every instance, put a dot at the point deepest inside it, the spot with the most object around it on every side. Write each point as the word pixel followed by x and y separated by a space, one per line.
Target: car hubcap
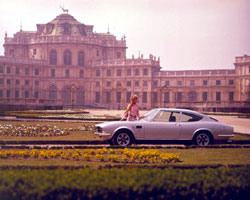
pixel 123 139
pixel 202 139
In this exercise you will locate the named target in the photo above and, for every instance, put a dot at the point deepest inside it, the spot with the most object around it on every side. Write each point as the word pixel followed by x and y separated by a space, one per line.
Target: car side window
pixel 162 116
pixel 167 116
pixel 174 117
pixel 188 117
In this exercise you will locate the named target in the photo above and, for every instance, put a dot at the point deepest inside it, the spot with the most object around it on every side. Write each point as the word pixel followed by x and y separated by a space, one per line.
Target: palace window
pixel 231 96
pixel 98 72
pixel 118 54
pixel 192 96
pixel 154 97
pixel 36 83
pixel 166 83
pixel 36 72
pixel 1 69
pixel 97 53
pixel 108 84
pixel 155 83
pixel 81 73
pixel 128 96
pixel 27 71
pixel 52 73
pixel 97 84
pixel 7 93
pixel 17 82
pixel 145 83
pixel 17 70
pixel 108 99
pixel 137 72
pixel 166 97
pixel 137 84
pixel 231 82
pixel 179 96
pixel 128 72
pixel 144 97
pixel 192 82
pixel 67 57
pixel 53 57
pixel 16 94
pixel 205 82
pixel 26 94
pixel 97 97
pixel 1 81
pixel 128 83
pixel 108 72
pixel 119 72
pixel 80 58
pixel 218 82
pixel 118 84
pixel 8 81
pixel 204 96
pixel 179 82
pixel 118 97
pixel 80 99
pixel 52 92
pixel 36 94
pixel 8 70
pixel 27 82
pixel 1 94
pixel 67 73
pixel 66 95
pixel 145 72
pixel 218 96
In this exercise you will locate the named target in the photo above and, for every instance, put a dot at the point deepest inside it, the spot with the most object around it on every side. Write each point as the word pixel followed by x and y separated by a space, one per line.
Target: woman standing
pixel 132 111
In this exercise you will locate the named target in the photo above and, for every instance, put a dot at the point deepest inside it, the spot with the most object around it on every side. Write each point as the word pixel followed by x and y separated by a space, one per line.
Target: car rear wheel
pixel 122 138
pixel 202 139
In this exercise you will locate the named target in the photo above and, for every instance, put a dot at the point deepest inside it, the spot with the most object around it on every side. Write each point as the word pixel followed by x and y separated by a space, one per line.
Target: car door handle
pixel 138 126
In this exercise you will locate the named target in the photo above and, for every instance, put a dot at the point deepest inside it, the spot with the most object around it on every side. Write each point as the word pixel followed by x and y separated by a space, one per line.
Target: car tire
pixel 122 138
pixel 202 139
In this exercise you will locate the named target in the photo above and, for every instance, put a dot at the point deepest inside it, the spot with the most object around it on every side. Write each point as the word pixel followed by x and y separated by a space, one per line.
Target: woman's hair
pixel 131 102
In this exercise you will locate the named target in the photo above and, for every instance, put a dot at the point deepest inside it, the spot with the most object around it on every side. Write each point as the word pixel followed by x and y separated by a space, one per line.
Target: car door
pixel 164 126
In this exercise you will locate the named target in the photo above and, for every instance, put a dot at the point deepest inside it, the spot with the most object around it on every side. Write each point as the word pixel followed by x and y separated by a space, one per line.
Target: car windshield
pixel 148 115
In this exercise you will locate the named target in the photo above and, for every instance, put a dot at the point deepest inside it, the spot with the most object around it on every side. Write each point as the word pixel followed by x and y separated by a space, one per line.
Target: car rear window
pixel 189 117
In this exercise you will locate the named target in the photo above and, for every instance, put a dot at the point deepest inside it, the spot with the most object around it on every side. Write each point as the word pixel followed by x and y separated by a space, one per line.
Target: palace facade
pixel 65 64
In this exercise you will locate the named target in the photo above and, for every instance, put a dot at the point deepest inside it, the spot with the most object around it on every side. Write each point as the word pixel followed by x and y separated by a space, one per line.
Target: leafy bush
pixel 135 183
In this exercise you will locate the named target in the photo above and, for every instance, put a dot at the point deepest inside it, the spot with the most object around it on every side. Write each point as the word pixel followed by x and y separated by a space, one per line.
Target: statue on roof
pixel 64 10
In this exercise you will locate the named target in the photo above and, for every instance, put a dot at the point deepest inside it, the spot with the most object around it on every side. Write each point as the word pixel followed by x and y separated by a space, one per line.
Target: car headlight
pixel 98 129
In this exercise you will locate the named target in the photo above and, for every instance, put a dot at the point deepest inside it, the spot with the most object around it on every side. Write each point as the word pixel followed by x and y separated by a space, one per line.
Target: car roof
pixel 180 110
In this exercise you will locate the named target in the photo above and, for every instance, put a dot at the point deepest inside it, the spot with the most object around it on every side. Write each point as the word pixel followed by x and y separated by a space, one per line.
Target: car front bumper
pixel 104 136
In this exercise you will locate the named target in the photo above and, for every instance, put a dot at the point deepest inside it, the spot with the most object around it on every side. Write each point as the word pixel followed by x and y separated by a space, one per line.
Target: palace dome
pixel 64 24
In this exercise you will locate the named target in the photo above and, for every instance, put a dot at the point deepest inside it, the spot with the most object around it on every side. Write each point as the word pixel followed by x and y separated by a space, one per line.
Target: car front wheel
pixel 202 139
pixel 122 139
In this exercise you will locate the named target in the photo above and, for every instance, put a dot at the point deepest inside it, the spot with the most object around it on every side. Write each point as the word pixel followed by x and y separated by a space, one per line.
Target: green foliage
pixel 135 183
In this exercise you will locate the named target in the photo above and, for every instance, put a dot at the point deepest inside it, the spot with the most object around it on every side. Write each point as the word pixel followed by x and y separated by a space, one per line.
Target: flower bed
pixel 95 155
pixel 40 130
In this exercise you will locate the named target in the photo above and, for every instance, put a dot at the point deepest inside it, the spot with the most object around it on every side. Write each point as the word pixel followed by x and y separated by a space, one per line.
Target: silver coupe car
pixel 163 124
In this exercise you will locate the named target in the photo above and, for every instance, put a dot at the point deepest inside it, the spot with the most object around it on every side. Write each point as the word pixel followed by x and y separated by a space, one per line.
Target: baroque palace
pixel 64 64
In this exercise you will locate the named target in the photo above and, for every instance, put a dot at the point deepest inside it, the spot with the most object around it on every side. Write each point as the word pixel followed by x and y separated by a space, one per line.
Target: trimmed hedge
pixel 135 183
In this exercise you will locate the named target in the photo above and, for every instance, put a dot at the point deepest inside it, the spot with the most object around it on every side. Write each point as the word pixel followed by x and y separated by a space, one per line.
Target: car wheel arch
pixel 209 132
pixel 120 129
